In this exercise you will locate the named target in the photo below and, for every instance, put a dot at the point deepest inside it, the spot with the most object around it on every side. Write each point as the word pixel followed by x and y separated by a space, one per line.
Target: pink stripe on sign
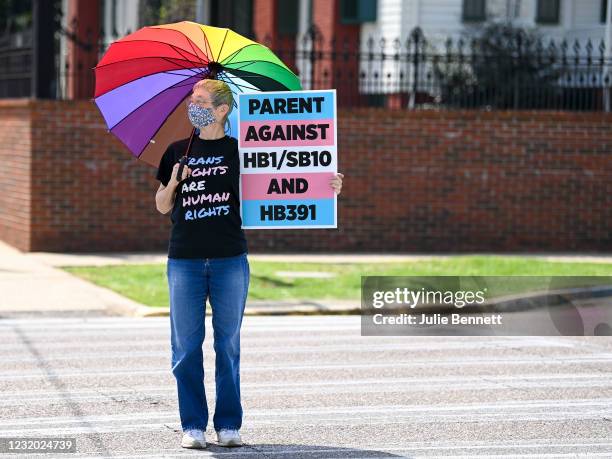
pixel 284 134
pixel 287 186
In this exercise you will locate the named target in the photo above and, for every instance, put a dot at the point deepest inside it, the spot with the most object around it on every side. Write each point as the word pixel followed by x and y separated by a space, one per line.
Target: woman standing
pixel 207 258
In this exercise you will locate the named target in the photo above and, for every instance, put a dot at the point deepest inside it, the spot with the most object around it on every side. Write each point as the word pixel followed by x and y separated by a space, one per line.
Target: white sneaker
pixel 194 438
pixel 229 437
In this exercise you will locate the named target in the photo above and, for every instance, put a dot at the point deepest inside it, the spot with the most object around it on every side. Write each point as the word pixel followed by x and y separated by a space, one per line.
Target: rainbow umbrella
pixel 144 79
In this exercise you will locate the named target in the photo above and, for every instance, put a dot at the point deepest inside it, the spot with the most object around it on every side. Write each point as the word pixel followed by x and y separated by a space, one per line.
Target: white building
pixel 439 20
pixel 557 19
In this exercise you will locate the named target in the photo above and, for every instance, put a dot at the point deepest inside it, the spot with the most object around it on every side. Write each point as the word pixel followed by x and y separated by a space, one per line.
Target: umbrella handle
pixel 183 162
pixel 179 173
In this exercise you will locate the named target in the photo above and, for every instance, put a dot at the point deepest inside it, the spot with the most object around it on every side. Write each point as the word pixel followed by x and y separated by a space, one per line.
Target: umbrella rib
pixel 199 58
pixel 250 76
pixel 154 57
pixel 207 44
pixel 202 62
pixel 160 126
pixel 226 74
pixel 150 74
pixel 151 41
pixel 191 43
pixel 229 58
pixel 141 57
pixel 172 72
pixel 243 66
pixel 178 85
pixel 254 61
pixel 185 58
pixel 222 43
pixel 193 72
pixel 235 103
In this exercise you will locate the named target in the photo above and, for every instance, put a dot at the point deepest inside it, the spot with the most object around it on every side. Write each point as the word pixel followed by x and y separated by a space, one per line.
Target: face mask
pixel 200 116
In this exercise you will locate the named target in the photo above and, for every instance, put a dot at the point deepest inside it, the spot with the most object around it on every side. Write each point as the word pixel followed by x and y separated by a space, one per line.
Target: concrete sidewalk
pixel 34 282
pixel 29 284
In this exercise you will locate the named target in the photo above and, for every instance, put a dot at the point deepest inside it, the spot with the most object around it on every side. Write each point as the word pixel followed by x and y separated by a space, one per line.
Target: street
pixel 312 386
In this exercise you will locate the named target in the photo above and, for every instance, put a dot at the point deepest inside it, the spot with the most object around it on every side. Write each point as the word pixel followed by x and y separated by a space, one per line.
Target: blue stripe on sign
pixel 323 209
pixel 327 106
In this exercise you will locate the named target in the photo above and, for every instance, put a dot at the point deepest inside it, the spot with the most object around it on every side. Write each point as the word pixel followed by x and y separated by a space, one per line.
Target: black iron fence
pixel 501 68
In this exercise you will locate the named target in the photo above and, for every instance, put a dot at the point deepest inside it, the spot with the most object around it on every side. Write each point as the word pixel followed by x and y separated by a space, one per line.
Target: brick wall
pixel 415 181
pixel 15 158
pixel 431 181
pixel 88 192
pixel 68 185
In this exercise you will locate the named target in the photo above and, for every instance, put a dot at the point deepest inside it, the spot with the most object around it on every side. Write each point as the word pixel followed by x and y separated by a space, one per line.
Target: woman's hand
pixel 186 173
pixel 336 182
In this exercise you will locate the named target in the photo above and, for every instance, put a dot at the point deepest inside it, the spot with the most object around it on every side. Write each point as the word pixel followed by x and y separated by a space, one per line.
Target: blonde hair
pixel 220 93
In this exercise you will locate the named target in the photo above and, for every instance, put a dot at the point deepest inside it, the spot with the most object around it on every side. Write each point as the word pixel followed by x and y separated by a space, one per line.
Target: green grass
pixel 147 284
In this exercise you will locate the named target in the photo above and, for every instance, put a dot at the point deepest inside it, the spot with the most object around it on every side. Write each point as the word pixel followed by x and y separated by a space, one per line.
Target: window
pixel 548 12
pixel 357 11
pixel 604 11
pixel 474 10
pixel 287 16
pixel 235 14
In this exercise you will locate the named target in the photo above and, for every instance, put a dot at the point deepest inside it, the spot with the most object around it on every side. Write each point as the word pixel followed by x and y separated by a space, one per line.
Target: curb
pixel 130 308
pixel 510 303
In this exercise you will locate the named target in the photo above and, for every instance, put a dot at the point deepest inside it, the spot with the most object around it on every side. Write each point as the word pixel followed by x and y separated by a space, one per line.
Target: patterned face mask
pixel 200 116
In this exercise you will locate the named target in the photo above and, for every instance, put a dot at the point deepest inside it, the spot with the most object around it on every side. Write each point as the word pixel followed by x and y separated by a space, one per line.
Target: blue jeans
pixel 191 281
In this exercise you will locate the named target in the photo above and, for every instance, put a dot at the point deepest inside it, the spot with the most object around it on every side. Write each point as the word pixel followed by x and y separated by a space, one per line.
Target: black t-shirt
pixel 205 217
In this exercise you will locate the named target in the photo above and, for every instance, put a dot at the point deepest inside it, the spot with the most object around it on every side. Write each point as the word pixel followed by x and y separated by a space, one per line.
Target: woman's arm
pixel 164 197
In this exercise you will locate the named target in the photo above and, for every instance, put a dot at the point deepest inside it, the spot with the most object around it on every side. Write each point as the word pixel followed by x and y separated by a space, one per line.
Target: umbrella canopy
pixel 144 79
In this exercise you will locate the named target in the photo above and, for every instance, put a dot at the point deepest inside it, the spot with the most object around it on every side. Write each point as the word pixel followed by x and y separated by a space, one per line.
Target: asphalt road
pixel 311 387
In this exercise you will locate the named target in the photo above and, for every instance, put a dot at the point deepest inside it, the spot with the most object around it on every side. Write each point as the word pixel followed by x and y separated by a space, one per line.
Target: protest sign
pixel 288 155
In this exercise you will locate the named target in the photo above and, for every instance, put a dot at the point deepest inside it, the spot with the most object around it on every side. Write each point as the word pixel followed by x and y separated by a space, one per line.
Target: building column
pixel 264 22
pixel 329 72
pixel 81 48
pixel 267 32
